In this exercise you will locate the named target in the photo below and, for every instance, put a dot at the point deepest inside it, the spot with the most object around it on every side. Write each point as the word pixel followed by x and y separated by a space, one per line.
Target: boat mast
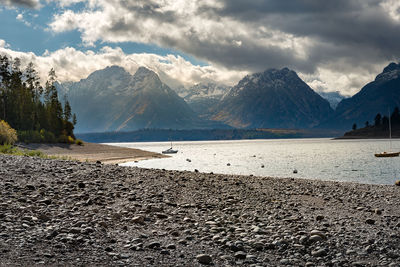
pixel 390 131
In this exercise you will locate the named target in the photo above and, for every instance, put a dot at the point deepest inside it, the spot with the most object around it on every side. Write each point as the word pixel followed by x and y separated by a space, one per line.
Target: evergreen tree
pixel 378 119
pixel 395 117
pixel 385 121
pixel 22 105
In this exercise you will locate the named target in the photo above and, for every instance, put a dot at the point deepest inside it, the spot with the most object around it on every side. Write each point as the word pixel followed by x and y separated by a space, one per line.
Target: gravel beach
pixel 58 213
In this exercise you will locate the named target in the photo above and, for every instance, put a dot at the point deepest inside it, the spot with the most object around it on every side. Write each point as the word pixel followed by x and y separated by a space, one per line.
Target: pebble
pixel 204 258
pixel 370 221
pixel 240 255
pixel 319 253
pixel 120 216
pixel 138 219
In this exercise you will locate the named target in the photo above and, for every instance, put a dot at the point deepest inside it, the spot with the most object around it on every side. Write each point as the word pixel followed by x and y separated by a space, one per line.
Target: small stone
pixel 47 201
pixel 204 259
pixel 138 219
pixel 370 221
pixel 315 238
pixel 397 183
pixel 165 252
pixel 368 249
pixel 284 262
pixel 378 211
pixel 30 187
pixel 161 215
pixel 317 232
pixel 240 255
pixel 171 246
pixel 154 245
pixel 358 264
pixel 319 253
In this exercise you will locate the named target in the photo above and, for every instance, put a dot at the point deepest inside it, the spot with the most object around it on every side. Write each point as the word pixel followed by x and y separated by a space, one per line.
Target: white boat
pixel 170 150
pixel 390 154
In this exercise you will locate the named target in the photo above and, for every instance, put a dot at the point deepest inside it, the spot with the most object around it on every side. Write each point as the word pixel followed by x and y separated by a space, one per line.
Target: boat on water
pixel 386 154
pixel 170 150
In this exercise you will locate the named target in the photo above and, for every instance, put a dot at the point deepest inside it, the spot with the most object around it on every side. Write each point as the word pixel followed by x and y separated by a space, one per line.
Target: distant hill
pixel 375 97
pixel 272 99
pixel 114 100
pixel 151 135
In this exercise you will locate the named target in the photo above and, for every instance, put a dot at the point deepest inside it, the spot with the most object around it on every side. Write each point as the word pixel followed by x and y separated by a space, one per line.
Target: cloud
pixel 3 44
pixel 20 17
pixel 308 36
pixel 72 65
pixel 25 3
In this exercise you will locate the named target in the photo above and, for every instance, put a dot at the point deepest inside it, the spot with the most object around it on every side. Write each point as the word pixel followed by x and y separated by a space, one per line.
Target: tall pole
pixel 390 130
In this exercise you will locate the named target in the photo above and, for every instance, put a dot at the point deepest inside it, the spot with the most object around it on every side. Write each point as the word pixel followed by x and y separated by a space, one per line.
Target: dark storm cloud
pixel 350 29
pixel 346 38
pixel 25 3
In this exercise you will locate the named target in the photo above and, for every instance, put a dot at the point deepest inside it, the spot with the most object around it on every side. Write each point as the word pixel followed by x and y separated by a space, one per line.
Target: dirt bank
pixel 94 152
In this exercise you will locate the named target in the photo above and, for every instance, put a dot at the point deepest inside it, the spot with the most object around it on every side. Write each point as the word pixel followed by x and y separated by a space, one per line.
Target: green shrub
pixel 36 137
pixel 48 137
pixel 79 142
pixel 63 139
pixel 71 140
pixel 8 149
pixel 7 134
pixel 29 137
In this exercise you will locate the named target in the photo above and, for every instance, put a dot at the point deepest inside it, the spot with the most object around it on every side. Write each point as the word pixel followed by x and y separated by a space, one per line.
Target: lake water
pixel 325 159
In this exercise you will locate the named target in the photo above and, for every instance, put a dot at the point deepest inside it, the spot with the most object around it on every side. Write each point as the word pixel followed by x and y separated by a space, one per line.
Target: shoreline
pixel 56 212
pixel 93 152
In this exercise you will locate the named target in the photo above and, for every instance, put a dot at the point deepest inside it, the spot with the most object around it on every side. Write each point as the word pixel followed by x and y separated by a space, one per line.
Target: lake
pixel 324 159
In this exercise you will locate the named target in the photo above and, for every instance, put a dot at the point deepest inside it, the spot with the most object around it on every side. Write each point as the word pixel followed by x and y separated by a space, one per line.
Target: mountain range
pixel 114 100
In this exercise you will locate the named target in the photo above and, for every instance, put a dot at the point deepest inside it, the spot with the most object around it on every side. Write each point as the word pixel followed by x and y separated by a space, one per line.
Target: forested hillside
pixel 35 111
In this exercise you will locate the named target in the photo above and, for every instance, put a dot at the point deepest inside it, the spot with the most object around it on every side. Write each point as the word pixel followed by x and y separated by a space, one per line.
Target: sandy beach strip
pixel 92 152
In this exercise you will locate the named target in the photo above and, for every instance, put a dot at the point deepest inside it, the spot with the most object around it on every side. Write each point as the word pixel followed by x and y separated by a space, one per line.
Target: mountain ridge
pixel 133 102
pixel 377 96
pixel 272 99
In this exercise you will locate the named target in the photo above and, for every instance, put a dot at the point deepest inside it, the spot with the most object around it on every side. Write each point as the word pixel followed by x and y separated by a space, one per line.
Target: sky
pixel 333 45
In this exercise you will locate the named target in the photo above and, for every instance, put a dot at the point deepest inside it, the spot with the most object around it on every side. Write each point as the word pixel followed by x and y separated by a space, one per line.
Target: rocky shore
pixel 72 213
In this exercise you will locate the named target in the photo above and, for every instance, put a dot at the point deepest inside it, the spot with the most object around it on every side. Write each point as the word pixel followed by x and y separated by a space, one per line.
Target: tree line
pixel 382 122
pixel 35 111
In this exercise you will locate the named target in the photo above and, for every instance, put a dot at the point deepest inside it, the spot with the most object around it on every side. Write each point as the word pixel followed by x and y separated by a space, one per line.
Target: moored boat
pixel 387 154
pixel 170 151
